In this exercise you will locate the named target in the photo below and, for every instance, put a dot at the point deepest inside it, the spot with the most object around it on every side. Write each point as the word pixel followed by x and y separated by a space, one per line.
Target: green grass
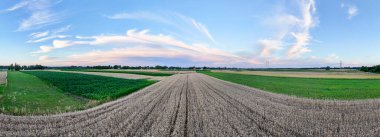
pixel 43 92
pixel 147 73
pixel 316 88
pixel 26 94
pixel 2 87
pixel 91 86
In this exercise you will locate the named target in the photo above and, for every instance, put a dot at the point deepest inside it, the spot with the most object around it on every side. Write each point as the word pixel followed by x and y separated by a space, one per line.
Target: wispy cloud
pixel 268 46
pixel 197 25
pixel 352 10
pixel 41 13
pixel 37 37
pixel 293 28
pixel 144 45
pixel 302 37
pixel 140 15
pixel 170 18
pixel 17 6
pixel 46 58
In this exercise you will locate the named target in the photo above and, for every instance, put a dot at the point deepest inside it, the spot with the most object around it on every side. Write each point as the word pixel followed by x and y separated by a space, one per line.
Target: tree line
pixel 373 69
pixel 142 67
pixel 18 67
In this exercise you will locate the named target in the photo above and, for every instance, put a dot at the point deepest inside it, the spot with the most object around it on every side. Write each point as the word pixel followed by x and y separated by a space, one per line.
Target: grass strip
pixel 316 88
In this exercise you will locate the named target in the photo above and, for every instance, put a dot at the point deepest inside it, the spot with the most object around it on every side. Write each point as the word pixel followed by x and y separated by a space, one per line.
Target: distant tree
pixel 125 67
pixel 17 67
pixel 364 68
pixel 11 68
pixel 117 67
pixel 376 69
pixel 373 69
pixel 328 68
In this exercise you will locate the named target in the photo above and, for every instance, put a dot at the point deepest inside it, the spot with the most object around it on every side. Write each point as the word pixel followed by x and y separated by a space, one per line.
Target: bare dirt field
pixel 348 75
pixel 3 77
pixel 117 75
pixel 199 105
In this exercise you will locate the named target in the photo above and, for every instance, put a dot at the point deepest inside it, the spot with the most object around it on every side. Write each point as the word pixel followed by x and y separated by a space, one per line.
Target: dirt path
pixel 117 75
pixel 199 105
pixel 3 77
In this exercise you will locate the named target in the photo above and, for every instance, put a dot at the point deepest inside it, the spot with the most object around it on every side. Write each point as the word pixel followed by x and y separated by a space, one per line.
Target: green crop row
pixel 91 86
pixel 317 88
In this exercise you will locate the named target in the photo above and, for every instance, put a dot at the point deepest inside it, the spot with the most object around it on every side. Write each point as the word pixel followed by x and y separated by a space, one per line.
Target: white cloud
pixel 174 19
pixel 268 46
pixel 38 37
pixel 140 15
pixel 144 45
pixel 38 19
pixel 300 46
pixel 41 13
pixel 302 37
pixel 46 58
pixel 197 25
pixel 18 6
pixel 291 28
pixel 352 10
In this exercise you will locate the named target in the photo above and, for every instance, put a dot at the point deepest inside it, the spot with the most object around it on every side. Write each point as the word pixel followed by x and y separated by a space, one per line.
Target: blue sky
pixel 243 33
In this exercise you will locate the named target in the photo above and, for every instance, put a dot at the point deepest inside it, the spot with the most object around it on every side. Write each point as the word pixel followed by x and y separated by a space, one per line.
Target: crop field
pixel 116 75
pixel 91 86
pixel 199 105
pixel 44 92
pixel 147 73
pixel 26 94
pixel 317 88
pixel 346 74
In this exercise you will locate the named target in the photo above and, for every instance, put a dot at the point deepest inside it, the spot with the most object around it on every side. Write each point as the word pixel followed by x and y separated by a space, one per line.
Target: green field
pixel 147 73
pixel 1 90
pixel 43 92
pixel 316 88
pixel 91 86
pixel 26 94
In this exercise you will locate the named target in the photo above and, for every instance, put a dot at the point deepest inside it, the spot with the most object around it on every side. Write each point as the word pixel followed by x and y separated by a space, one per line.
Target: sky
pixel 215 33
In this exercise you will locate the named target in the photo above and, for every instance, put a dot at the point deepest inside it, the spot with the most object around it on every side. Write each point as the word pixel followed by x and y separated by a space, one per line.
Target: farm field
pixel 199 105
pixel 26 94
pixel 116 75
pixel 147 73
pixel 44 92
pixel 316 88
pixel 347 74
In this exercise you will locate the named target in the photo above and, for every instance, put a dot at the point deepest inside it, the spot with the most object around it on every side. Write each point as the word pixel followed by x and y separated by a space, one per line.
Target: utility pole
pixel 341 64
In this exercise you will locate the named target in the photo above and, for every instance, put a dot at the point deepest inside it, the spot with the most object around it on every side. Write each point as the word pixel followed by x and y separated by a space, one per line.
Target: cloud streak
pixel 142 44
pixel 292 28
pixel 38 37
pixel 140 16
pixel 171 18
pixel 41 13
pixel 269 46
pixel 352 10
